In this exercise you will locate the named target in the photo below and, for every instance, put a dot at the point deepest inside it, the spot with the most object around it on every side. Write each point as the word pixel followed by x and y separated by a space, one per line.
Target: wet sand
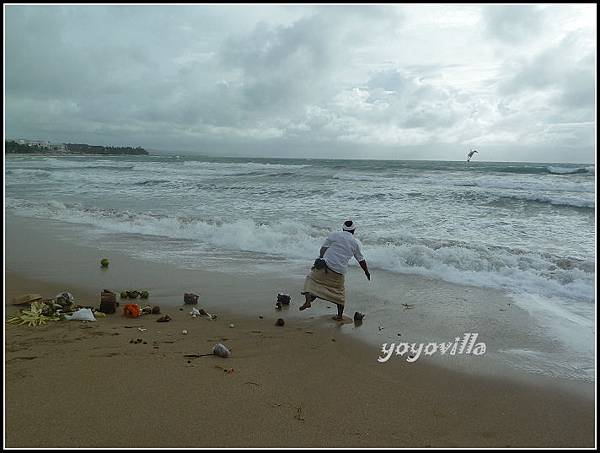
pixel 306 384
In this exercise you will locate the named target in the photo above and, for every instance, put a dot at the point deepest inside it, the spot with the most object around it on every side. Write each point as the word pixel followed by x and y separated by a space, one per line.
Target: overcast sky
pixel 374 81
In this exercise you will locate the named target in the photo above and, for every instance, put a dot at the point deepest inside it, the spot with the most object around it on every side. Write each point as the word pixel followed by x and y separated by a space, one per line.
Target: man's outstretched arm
pixel 363 264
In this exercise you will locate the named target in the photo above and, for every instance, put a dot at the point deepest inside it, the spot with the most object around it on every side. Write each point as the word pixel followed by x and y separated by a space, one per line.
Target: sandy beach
pixel 75 384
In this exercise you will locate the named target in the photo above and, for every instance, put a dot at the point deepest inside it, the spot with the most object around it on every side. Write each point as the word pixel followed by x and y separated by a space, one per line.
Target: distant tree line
pixel 17 148
pixel 81 148
pixel 12 147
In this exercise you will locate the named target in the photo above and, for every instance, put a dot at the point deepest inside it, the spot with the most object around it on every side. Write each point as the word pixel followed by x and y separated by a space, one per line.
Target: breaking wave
pixel 456 262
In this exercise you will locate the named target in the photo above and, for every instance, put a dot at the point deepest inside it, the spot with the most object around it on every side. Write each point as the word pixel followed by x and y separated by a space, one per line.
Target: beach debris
pixel 65 299
pixel 104 262
pixel 408 306
pixel 133 294
pixel 38 314
pixel 99 314
pixel 165 318
pixel 284 298
pixel 299 415
pixel 123 294
pixel 184 331
pixel 83 314
pixel 147 310
pixel 141 329
pixel 280 322
pixel 108 302
pixel 132 310
pixel 26 299
pixel 358 316
pixel 190 298
pixel 136 341
pixel 156 310
pixel 221 350
pixel 260 316
pixel 202 312
pixel 278 305
pixel 231 326
pixel 144 294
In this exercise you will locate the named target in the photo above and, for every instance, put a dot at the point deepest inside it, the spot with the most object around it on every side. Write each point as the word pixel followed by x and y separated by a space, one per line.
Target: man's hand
pixel 363 264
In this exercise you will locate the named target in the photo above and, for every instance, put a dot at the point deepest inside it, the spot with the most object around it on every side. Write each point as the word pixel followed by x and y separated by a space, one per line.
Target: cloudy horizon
pixel 334 81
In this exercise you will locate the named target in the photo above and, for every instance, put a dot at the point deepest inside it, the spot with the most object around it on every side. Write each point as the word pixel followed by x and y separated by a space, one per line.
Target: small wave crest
pixel 456 262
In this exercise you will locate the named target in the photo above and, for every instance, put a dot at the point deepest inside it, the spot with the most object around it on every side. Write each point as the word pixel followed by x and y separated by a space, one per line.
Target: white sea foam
pixel 458 263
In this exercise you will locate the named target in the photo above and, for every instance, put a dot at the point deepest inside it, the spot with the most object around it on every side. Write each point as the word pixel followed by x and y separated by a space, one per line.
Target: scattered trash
pixel 133 294
pixel 136 341
pixel 184 332
pixel 221 350
pixel 104 262
pixel 260 317
pixel 278 305
pixel 83 314
pixel 65 299
pixel 358 316
pixel 144 294
pixel 202 312
pixel 407 306
pixel 165 318
pixel 280 322
pixel 131 310
pixel 284 298
pixel 190 298
pixel 26 299
pixel 108 302
pixel 231 326
pixel 38 314
pixel 141 329
pixel 156 310
pixel 99 314
pixel 147 310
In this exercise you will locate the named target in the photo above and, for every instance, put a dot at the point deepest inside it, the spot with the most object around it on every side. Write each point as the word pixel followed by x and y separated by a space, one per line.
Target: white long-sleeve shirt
pixel 341 247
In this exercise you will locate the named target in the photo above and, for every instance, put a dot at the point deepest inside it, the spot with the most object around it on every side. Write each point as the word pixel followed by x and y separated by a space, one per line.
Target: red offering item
pixel 132 310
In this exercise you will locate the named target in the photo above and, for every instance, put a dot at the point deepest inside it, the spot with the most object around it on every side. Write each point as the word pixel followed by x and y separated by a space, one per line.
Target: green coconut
pixel 144 294
pixel 104 262
pixel 123 294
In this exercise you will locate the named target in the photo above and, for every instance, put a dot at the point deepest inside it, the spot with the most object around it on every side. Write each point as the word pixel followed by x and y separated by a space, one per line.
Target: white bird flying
pixel 473 151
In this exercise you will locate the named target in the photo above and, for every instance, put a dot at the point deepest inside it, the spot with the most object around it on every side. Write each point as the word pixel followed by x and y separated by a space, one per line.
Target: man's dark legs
pixel 308 299
pixel 339 316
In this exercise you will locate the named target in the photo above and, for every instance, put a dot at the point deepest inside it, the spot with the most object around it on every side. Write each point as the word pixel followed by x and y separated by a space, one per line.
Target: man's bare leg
pixel 339 316
pixel 309 298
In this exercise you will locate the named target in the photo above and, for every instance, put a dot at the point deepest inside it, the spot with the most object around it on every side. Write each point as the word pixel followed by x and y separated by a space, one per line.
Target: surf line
pixel 413 351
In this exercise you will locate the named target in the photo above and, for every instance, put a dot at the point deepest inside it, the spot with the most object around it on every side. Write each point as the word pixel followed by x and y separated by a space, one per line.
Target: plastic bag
pixel 221 350
pixel 83 314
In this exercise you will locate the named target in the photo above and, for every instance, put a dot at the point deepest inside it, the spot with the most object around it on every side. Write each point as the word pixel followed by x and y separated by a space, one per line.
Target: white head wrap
pixel 349 228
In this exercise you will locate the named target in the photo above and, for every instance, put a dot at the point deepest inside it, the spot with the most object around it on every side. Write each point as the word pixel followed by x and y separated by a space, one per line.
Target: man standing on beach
pixel 326 279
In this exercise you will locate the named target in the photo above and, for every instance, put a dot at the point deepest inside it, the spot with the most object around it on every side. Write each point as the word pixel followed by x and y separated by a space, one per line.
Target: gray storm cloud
pixel 391 81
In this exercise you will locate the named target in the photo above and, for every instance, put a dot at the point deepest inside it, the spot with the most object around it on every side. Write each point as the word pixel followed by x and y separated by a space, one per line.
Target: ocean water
pixel 526 228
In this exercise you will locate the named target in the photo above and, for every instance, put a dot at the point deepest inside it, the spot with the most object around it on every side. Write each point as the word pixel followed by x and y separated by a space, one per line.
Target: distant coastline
pixel 47 148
